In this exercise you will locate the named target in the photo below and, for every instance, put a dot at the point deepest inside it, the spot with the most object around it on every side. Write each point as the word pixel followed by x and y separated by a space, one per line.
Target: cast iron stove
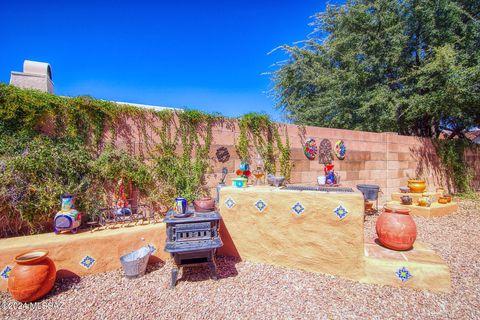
pixel 193 240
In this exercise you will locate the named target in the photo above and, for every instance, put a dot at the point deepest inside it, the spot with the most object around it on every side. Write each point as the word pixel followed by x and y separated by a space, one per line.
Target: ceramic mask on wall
pixel 310 149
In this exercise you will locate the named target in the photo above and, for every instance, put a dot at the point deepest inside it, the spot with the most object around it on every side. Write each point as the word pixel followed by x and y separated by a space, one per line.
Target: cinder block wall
pixel 384 159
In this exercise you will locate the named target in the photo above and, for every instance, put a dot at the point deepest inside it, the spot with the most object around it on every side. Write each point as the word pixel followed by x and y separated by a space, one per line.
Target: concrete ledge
pixel 415 196
pixel 69 250
pixel 435 210
pixel 427 269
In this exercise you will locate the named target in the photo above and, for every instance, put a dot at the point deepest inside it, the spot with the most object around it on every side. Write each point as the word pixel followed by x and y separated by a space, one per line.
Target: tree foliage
pixel 410 66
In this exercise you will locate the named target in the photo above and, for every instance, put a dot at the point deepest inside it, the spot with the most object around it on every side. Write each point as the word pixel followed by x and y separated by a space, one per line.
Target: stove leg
pixel 174 277
pixel 213 270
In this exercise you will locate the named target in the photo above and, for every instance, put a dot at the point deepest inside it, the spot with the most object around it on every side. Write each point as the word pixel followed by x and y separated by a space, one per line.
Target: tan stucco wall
pixel 67 250
pixel 315 240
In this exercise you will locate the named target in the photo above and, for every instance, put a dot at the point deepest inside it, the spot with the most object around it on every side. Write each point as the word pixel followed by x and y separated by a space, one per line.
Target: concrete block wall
pixel 384 159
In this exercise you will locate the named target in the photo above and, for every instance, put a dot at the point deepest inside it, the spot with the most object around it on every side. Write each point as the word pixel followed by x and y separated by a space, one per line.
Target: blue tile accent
pixel 260 205
pixel 6 272
pixel 230 203
pixel 298 208
pixel 340 212
pixel 152 248
pixel 87 262
pixel 403 274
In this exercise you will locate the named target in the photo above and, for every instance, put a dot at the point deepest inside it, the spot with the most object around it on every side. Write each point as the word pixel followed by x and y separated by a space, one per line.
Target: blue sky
pixel 206 55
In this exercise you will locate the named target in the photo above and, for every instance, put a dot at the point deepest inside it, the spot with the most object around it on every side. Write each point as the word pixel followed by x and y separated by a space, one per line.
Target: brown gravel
pixel 255 291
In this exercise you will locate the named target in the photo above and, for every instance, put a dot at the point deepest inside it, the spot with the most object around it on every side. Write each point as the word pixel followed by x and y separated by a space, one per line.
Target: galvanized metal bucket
pixel 135 263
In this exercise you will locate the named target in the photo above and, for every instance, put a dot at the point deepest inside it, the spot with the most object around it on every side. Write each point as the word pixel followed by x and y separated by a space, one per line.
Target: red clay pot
pixel 32 277
pixel 396 229
pixel 204 204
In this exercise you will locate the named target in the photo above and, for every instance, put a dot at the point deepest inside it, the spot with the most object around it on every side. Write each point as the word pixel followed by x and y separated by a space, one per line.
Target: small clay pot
pixel 406 200
pixel 32 277
pixel 417 186
pixel 443 200
pixel 423 202
pixel 448 197
pixel 395 228
pixel 404 189
pixel 206 204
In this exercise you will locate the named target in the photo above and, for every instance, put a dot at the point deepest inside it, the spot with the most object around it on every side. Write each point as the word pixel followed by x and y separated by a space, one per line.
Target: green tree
pixel 386 65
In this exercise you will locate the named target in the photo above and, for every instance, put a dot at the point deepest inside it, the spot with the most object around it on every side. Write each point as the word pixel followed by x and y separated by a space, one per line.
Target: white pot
pixel 322 180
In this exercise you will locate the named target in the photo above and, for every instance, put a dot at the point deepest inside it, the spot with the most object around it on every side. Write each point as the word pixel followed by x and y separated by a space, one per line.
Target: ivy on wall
pixel 452 155
pixel 50 145
pixel 257 131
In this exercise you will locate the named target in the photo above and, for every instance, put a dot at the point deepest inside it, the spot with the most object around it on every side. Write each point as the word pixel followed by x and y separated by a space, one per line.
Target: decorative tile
pixel 87 262
pixel 6 272
pixel 260 205
pixel 298 208
pixel 230 203
pixel 152 248
pixel 403 274
pixel 340 212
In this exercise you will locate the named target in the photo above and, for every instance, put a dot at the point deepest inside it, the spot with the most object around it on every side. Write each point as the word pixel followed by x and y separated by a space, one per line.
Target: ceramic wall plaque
pixel 310 149
pixel 222 154
pixel 340 149
pixel 325 152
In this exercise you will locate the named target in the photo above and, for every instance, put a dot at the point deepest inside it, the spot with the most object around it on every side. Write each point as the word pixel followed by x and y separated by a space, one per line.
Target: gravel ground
pixel 254 291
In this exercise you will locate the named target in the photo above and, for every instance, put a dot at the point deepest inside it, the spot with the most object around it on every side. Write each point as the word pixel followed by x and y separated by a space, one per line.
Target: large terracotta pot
pixel 204 204
pixel 396 229
pixel 417 186
pixel 32 277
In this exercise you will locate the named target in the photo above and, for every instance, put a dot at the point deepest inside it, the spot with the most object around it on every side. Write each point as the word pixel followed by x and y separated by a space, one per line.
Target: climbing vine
pixel 263 134
pixel 452 156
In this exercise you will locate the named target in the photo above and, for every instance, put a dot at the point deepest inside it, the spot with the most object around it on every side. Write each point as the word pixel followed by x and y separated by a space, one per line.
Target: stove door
pixel 193 231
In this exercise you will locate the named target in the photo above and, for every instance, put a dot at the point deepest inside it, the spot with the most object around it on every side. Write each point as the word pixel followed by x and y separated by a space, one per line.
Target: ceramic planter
pixel 406 200
pixel 417 186
pixel 206 204
pixel 239 182
pixel 396 229
pixel 32 276
pixel 443 200
pixel 368 206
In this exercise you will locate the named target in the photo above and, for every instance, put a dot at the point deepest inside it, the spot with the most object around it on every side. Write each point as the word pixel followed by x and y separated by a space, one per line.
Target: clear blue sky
pixel 206 55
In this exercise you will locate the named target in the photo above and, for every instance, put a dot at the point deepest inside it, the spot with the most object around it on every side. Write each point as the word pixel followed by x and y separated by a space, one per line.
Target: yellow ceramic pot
pixel 423 202
pixel 417 186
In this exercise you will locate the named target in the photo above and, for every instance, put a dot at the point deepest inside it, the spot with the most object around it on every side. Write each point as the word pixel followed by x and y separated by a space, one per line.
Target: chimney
pixel 35 75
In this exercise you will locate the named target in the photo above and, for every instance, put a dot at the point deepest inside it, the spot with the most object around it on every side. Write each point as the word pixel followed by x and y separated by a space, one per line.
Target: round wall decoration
pixel 325 152
pixel 340 149
pixel 222 154
pixel 310 149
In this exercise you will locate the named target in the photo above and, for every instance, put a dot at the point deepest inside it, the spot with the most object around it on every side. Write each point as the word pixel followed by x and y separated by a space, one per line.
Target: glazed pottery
pixel 449 198
pixel 416 186
pixel 404 189
pixel 406 200
pixel 443 200
pixel 206 204
pixel 239 182
pixel 424 201
pixel 396 229
pixel 32 276
pixel 321 180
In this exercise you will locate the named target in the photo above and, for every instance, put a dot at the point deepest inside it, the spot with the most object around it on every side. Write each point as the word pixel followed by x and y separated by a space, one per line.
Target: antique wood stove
pixel 192 240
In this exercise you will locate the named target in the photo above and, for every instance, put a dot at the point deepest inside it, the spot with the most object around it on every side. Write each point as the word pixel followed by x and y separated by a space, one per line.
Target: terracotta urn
pixel 32 276
pixel 206 204
pixel 396 229
pixel 417 186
